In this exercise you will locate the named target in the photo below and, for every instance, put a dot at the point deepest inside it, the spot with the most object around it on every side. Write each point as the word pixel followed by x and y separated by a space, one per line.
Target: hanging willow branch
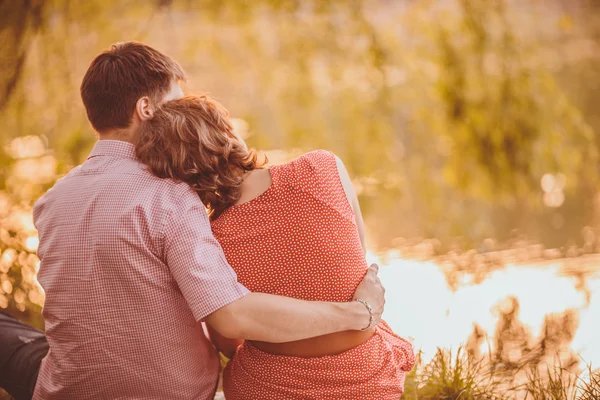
pixel 19 20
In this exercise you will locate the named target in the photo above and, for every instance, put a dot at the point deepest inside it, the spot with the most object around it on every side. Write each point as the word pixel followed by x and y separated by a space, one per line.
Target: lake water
pixel 421 305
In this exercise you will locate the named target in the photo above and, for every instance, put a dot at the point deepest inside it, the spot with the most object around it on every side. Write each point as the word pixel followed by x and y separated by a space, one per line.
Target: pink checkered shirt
pixel 128 264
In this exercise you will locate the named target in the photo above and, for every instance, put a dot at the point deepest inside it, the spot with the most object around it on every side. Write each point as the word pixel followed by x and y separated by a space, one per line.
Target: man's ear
pixel 144 108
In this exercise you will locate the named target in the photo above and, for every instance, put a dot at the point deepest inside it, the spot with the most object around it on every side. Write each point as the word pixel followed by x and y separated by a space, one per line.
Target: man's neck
pixel 125 135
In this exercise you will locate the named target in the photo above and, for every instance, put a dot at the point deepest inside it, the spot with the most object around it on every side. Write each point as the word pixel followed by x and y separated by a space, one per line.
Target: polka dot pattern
pixel 299 239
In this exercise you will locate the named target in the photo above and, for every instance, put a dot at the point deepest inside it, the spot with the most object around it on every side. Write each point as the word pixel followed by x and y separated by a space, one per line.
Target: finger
pixel 374 268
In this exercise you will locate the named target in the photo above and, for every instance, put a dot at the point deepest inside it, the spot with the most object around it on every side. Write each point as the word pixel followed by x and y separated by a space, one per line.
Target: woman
pixel 293 230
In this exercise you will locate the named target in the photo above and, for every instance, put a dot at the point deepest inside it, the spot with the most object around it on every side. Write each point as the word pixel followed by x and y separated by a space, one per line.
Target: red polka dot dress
pixel 299 239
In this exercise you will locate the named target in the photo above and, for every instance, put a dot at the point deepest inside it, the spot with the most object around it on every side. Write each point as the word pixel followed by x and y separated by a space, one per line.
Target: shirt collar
pixel 113 148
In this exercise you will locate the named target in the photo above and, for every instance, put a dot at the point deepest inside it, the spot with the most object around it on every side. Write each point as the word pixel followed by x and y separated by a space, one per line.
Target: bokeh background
pixel 470 128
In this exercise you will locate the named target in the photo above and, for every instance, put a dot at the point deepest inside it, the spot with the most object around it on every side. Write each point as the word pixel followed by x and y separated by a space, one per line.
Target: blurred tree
pixel 19 20
pixel 448 114
pixel 493 125
pixel 504 117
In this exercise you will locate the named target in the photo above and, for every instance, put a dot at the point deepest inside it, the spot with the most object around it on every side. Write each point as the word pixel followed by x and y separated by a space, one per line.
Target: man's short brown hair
pixel 118 77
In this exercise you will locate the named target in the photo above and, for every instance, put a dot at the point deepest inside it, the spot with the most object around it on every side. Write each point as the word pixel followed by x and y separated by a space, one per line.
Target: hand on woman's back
pixel 372 291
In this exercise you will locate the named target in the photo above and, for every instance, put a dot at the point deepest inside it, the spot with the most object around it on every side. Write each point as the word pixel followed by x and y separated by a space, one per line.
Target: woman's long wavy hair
pixel 192 140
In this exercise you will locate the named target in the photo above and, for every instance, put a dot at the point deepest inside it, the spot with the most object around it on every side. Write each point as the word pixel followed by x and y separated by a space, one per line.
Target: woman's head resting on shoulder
pixel 192 140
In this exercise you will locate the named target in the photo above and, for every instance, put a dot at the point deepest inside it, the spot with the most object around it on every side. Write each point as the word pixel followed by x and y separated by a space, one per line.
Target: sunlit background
pixel 470 127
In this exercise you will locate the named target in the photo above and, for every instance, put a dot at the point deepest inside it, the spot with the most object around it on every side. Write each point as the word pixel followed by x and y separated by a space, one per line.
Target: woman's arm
pixel 353 200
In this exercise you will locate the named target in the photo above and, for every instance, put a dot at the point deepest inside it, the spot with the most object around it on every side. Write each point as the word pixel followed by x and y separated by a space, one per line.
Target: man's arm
pixel 225 345
pixel 212 292
pixel 276 319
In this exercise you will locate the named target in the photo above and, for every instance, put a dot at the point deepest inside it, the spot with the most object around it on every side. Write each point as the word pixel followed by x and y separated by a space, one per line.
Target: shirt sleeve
pixel 196 259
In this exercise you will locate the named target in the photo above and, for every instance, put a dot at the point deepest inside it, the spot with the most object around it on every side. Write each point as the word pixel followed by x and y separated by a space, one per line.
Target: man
pixel 129 264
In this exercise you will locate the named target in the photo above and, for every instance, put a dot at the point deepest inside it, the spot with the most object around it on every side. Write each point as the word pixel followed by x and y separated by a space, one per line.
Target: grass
pixel 589 389
pixel 461 376
pixel 452 377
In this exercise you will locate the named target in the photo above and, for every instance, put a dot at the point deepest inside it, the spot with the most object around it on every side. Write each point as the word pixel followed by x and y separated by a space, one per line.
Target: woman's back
pixel 297 239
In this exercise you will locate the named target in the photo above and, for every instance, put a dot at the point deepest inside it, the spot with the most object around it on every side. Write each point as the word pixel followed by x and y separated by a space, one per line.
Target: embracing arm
pixel 211 289
pixel 277 319
pixel 223 344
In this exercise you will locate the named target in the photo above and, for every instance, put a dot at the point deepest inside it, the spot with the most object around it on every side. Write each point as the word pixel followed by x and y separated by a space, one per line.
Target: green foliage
pixel 589 389
pixel 457 377
pixel 557 385
pixel 463 377
pixel 20 294
pixel 30 170
pixel 19 22
pixel 446 127
pixel 503 114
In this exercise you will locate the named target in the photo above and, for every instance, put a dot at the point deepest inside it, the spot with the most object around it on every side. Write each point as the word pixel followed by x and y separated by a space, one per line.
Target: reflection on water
pixel 421 305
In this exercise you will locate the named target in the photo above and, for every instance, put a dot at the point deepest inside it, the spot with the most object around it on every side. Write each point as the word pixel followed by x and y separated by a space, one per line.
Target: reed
pixel 460 376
